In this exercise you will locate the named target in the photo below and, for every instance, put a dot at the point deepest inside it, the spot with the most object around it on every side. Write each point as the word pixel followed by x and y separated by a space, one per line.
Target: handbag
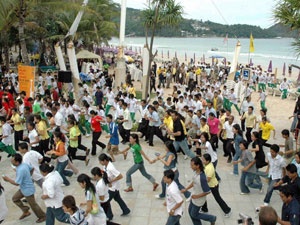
pixel 95 206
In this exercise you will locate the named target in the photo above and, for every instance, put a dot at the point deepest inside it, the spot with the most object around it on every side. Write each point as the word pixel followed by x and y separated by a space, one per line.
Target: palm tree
pixel 7 20
pixel 287 12
pixel 158 14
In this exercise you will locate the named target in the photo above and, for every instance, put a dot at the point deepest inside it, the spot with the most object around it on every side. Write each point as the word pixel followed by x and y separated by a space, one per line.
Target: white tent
pixel 85 54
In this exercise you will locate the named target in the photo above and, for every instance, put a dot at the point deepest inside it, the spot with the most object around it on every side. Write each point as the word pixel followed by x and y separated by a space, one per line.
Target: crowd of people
pixel 196 119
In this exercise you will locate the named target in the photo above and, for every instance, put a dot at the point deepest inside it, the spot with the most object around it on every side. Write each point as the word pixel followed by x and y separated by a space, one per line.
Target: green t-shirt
pixel 73 133
pixel 136 151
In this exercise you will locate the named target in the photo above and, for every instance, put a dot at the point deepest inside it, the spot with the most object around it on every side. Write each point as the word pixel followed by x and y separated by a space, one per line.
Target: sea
pixel 278 50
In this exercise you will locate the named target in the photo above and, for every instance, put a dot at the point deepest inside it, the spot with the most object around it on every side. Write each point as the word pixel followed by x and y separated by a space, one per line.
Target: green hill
pixel 199 28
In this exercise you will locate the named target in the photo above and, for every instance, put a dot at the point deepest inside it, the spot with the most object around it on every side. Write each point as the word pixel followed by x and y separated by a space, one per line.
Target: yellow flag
pixel 251 49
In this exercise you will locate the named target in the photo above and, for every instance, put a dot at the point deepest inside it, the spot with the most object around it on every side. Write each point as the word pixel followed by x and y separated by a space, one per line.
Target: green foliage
pixel 287 12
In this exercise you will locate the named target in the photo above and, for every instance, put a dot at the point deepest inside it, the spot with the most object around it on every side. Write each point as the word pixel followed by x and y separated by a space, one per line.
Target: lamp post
pixel 121 67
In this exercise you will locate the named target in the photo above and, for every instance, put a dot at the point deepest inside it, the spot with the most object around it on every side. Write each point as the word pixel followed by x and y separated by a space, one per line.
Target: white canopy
pixel 85 54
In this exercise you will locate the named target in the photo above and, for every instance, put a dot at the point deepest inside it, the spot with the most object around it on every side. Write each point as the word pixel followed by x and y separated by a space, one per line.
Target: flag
pixel 225 41
pixel 176 55
pixel 203 58
pixel 185 57
pixel 168 54
pixel 194 58
pixel 251 48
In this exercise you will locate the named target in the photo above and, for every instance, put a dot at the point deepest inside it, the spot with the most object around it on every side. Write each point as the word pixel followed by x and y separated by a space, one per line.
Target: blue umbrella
pixel 270 67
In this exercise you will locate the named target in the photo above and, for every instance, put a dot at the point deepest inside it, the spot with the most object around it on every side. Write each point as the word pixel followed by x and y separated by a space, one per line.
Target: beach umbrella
pixel 203 58
pixel 270 67
pixel 162 53
pixel 283 70
pixel 175 54
pixel 251 63
pixel 194 58
pixel 234 62
pixel 225 61
pixel 140 50
pixel 168 54
pixel 185 57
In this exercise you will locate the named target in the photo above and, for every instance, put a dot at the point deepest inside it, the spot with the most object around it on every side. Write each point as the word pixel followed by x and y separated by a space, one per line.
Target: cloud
pixel 254 12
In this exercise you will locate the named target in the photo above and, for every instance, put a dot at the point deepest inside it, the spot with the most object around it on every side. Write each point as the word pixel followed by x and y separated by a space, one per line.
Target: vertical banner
pixel 26 79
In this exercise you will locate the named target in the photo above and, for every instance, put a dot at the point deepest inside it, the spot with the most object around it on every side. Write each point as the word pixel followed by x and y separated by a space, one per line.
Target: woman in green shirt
pixel 138 155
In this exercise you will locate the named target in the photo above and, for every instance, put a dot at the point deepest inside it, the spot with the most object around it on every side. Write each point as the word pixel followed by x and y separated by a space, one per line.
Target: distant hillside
pixel 196 28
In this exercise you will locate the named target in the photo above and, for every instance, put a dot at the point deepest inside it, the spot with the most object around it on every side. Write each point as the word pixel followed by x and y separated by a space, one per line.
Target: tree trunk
pixel 6 56
pixel 22 14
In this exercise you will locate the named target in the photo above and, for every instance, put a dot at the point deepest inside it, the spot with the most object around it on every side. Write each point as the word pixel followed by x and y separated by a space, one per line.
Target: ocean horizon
pixel 279 50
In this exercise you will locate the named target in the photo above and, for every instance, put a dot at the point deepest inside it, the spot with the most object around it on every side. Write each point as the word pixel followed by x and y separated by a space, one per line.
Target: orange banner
pixel 26 79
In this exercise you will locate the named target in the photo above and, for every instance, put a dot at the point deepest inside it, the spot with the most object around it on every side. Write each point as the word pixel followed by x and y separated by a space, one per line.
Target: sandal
pixel 125 155
pixel 130 189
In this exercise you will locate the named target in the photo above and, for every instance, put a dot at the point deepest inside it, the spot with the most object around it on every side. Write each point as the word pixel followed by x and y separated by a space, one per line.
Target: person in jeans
pixel 275 170
pixel 248 178
pixel 53 195
pixel 238 137
pixel 169 159
pixel 199 192
pixel 27 189
pixel 114 186
pixel 179 133
pixel 138 155
pixel 62 157
pixel 174 200
pixel 214 185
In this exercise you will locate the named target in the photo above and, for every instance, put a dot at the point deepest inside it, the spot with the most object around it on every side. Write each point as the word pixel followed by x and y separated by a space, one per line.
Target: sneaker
pixel 243 193
pixel 125 214
pixel 234 174
pixel 88 135
pixel 266 204
pixel 227 215
pixel 203 211
pixel 159 197
pixel 261 190
pixel 185 157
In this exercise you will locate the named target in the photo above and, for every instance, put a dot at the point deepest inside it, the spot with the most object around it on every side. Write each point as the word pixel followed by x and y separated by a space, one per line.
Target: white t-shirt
pixel 112 173
pixel 32 137
pixel 52 188
pixel 32 158
pixel 102 190
pixel 210 151
pixel 6 131
pixel 228 129
pixel 173 197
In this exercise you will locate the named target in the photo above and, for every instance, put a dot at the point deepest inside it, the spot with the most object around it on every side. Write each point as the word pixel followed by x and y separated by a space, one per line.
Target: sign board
pixel 246 74
pixel 26 79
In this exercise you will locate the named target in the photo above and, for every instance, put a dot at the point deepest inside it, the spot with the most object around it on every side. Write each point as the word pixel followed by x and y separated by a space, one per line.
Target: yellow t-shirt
pixel 250 120
pixel 42 130
pixel 205 128
pixel 73 133
pixel 169 122
pixel 17 119
pixel 198 71
pixel 210 172
pixel 266 130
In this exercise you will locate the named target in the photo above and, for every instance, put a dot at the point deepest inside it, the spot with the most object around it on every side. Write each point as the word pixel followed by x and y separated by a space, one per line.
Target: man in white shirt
pixel 173 198
pixel 233 101
pixel 34 159
pixel 275 170
pixel 180 105
pixel 6 139
pixel 228 136
pixel 59 119
pixel 244 108
pixel 127 124
pixel 284 86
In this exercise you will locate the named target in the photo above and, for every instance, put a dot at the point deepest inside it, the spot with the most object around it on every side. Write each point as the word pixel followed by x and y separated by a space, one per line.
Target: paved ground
pixel 145 208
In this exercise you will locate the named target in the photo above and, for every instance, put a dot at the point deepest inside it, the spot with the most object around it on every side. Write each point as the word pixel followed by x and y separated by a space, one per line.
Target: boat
pixel 214 49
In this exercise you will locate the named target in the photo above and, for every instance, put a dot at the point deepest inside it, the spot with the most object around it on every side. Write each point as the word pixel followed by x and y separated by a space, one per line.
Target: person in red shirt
pixel 97 131
pixel 54 95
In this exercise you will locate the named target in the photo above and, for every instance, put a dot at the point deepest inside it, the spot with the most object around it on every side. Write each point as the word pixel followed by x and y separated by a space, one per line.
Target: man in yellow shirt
pixel 250 122
pixel 16 120
pixel 266 129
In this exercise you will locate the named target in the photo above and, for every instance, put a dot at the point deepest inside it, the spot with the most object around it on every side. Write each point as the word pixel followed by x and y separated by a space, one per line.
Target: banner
pixel 26 79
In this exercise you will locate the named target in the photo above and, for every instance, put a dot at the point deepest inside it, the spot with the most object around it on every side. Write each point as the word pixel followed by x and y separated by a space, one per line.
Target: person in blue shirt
pixel 113 143
pixel 27 189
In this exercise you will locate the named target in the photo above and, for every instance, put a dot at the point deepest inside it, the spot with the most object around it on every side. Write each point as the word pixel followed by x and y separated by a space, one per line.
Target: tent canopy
pixel 85 54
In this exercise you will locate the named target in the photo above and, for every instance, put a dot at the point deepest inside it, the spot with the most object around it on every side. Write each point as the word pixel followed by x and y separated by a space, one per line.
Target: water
pixel 279 51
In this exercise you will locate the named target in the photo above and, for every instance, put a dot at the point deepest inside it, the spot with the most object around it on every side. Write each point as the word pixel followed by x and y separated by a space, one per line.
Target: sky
pixel 252 12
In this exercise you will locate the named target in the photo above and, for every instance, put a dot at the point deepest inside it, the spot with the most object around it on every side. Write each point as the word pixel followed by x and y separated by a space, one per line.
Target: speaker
pixel 65 76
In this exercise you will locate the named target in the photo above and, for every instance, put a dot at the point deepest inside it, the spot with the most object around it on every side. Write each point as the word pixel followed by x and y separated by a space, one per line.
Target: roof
pixel 85 54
